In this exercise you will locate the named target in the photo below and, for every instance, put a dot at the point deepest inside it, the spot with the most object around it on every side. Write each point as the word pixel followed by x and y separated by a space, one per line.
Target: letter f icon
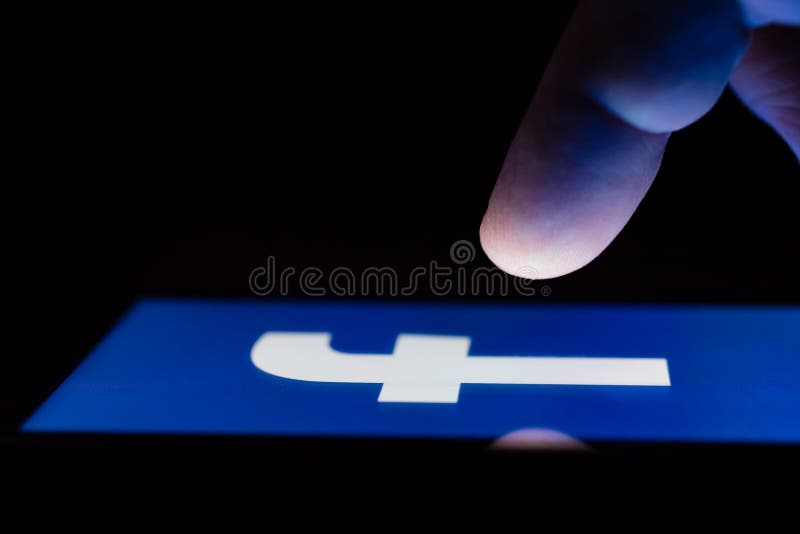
pixel 426 368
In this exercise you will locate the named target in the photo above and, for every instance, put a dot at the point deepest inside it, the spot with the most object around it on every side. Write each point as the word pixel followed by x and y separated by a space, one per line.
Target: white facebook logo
pixel 425 368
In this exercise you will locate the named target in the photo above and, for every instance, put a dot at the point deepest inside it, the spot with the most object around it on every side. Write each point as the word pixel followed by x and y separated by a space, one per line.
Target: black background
pixel 165 150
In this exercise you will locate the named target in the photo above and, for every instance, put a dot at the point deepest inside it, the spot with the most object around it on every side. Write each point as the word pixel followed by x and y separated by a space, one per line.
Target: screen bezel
pixel 189 463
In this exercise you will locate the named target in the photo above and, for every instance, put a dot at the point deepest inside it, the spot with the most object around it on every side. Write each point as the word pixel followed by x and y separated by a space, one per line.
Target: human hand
pixel 625 74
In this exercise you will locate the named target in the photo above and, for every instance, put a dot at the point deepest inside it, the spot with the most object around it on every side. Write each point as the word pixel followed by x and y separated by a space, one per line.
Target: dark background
pixel 171 151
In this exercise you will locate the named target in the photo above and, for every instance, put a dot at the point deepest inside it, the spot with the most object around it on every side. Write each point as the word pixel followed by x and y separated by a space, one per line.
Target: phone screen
pixel 386 369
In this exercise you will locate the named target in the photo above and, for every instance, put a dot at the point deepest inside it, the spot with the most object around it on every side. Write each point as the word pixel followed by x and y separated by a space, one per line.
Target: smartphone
pixel 384 383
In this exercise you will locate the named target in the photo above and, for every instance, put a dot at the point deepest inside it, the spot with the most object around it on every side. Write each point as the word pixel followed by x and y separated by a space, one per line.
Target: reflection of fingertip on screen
pixel 620 373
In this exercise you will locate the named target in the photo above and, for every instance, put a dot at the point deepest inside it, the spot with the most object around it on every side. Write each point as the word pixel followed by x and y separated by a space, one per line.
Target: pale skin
pixel 626 74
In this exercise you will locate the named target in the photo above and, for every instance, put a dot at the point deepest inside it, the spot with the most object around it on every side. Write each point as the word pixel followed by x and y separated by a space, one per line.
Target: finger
pixel 768 80
pixel 765 12
pixel 625 74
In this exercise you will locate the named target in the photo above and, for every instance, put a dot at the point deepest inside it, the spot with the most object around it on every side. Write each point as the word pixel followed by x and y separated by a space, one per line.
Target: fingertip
pixel 517 250
pixel 567 188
